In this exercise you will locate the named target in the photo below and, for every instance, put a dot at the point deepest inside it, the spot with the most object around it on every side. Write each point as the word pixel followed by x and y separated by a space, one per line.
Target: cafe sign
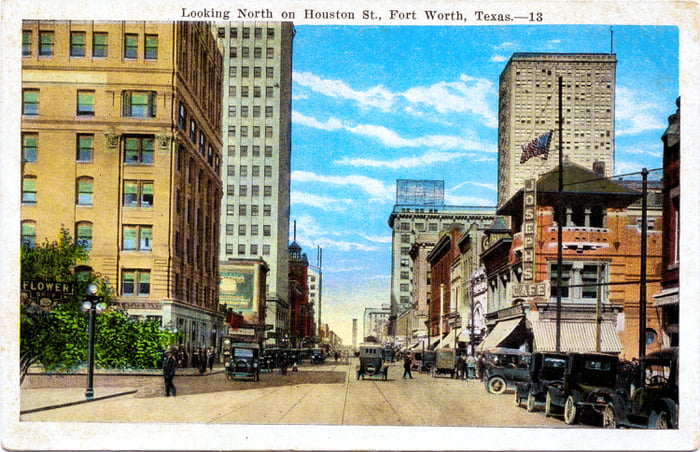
pixel 46 294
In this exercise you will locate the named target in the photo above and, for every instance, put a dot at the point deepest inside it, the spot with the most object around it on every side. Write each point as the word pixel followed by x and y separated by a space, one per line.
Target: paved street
pixel 328 394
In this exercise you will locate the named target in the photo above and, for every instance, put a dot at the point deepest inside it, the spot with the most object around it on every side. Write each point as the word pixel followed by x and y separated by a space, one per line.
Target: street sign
pixel 241 332
pixel 46 294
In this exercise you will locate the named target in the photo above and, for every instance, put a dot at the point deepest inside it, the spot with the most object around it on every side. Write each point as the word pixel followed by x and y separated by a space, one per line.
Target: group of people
pixel 468 367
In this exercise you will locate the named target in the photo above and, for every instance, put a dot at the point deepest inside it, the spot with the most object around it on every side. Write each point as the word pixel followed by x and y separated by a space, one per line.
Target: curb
pixel 62 405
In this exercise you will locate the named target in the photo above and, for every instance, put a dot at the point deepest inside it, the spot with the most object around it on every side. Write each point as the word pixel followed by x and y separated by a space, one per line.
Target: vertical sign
pixel 529 230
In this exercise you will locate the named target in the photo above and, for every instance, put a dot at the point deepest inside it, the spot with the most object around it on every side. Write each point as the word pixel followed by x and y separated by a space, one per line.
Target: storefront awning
pixel 500 333
pixel 448 341
pixel 434 340
pixel 575 337
pixel 666 297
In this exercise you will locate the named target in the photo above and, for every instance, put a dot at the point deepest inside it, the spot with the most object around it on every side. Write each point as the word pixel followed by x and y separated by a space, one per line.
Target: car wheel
pixel 658 420
pixel 609 416
pixel 497 385
pixel 548 405
pixel 530 402
pixel 570 411
pixel 518 401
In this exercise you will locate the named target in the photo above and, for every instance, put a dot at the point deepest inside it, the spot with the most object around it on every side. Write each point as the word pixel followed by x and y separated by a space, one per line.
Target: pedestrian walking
pixel 210 360
pixel 202 361
pixel 407 362
pixel 461 368
pixel 169 366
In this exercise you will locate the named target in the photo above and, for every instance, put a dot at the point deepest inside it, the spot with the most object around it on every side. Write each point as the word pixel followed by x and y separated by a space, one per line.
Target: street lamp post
pixel 92 306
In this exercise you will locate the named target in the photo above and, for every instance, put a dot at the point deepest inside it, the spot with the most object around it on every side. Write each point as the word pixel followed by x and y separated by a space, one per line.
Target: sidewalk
pixel 34 399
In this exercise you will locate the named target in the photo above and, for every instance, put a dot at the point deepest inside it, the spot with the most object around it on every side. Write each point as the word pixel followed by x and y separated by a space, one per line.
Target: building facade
pixel 257 72
pixel 121 144
pixel 600 272
pixel 668 299
pixel 301 312
pixel 529 106
pixel 420 209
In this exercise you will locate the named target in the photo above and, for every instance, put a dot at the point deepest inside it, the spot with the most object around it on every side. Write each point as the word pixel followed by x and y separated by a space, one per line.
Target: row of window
pixel 135 104
pixel 243 151
pixel 196 135
pixel 257 91
pixel 243 190
pixel 136 193
pixel 245 111
pixel 254 229
pixel 98 45
pixel 253 249
pixel 138 150
pixel 257 71
pixel 243 210
pixel 257 52
pixel 269 133
pixel 243 170
pixel 245 32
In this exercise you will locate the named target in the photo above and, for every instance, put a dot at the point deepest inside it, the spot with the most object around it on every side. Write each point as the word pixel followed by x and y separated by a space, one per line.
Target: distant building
pixel 242 292
pixel 121 144
pixel 301 322
pixel 529 107
pixel 375 323
pixel 257 93
pixel 425 212
pixel 668 299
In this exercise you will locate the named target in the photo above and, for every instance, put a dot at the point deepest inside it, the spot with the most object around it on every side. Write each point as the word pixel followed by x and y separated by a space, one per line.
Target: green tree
pixel 58 338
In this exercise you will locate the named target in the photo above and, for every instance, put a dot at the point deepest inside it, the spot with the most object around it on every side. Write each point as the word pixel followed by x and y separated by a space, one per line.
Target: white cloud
pixel 376 238
pixel 644 148
pixel 454 200
pixel 499 58
pixel 330 124
pixel 429 158
pixel 634 114
pixel 466 95
pixel 377 96
pixel 489 186
pixel 377 190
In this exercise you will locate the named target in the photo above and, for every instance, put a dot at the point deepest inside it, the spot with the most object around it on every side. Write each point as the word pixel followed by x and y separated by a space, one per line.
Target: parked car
pixel 587 377
pixel 445 362
pixel 655 403
pixel 545 369
pixel 317 356
pixel 504 368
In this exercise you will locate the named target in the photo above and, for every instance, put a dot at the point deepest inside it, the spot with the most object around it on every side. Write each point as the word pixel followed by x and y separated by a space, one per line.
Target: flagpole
pixel 560 218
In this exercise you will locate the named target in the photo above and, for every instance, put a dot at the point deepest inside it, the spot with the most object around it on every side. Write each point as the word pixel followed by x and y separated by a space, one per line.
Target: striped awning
pixel 448 341
pixel 499 333
pixel 575 337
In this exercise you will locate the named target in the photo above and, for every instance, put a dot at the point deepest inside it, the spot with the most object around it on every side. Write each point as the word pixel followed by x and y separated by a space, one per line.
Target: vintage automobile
pixel 388 354
pixel 586 378
pixel 241 360
pixel 545 369
pixel 445 362
pixel 504 368
pixel 427 361
pixel 654 404
pixel 372 362
pixel 317 356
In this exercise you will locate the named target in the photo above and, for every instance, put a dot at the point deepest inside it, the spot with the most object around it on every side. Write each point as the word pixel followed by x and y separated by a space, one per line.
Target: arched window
pixel 83 234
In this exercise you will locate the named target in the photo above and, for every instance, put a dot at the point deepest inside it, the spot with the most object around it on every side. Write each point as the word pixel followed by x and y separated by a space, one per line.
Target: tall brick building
pixel 121 144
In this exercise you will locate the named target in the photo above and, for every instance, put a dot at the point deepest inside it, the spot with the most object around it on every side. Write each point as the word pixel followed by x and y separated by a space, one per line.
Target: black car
pixel 545 369
pixel 586 378
pixel 654 404
pixel 317 356
pixel 504 368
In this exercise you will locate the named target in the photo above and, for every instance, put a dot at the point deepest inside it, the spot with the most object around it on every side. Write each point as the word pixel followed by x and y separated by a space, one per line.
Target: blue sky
pixel 375 104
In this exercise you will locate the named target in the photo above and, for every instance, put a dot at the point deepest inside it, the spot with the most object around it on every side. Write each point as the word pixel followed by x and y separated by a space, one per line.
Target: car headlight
pixel 227 364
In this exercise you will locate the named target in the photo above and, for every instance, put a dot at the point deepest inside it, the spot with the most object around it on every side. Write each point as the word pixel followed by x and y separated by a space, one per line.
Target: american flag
pixel 537 146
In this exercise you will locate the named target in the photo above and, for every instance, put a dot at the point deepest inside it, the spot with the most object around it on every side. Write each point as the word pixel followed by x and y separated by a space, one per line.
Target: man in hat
pixel 169 366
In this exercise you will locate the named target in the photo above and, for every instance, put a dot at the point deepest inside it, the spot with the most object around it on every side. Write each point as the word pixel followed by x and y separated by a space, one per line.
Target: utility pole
pixel 320 290
pixel 643 271
pixel 560 216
